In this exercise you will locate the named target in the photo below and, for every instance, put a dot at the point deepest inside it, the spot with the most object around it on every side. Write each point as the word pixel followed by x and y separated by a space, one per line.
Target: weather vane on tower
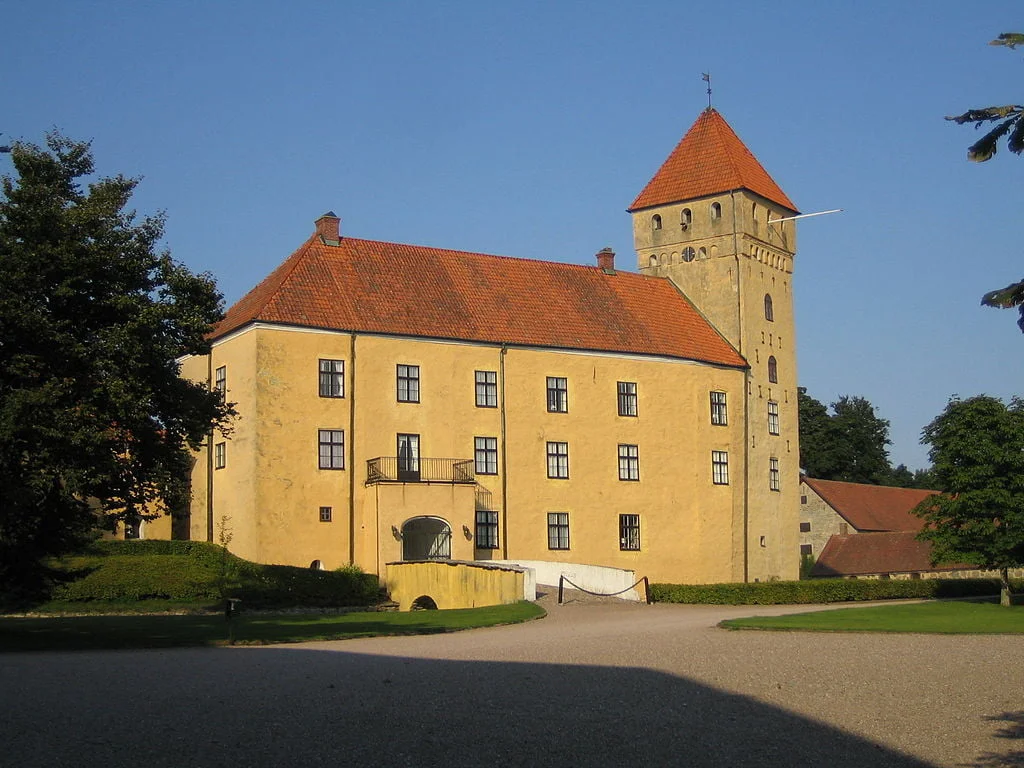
pixel 706 77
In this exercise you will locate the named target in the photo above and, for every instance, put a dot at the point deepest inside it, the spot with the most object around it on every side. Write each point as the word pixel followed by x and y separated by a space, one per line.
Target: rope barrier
pixel 566 580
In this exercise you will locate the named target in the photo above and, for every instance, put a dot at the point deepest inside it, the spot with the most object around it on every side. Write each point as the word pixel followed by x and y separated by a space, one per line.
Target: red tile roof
pixel 862 554
pixel 408 290
pixel 872 507
pixel 708 160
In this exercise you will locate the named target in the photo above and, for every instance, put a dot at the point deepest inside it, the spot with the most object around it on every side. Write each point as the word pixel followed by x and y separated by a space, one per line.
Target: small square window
pixel 763 541
pixel 332 378
pixel 220 455
pixel 408 383
pixel 332 448
pixel 629 462
pixel 806 549
pixel 629 533
pixel 720 467
pixel 719 411
pixel 558 461
pixel 558 530
pixel 805 527
pixel 627 398
pixel 558 394
pixel 486 454
pixel 325 514
pixel 486 529
pixel 486 389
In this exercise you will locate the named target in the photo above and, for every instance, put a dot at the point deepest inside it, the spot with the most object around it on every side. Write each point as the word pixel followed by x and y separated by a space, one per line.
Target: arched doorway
pixel 426 538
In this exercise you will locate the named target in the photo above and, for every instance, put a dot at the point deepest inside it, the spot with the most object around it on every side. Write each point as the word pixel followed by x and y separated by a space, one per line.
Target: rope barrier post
pixel 647 590
pixel 561 579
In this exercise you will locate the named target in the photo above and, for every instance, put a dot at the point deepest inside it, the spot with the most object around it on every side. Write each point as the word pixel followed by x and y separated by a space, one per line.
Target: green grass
pixel 147 631
pixel 933 618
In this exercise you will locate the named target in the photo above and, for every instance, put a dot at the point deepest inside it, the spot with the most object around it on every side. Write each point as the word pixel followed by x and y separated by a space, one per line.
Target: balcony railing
pixel 395 469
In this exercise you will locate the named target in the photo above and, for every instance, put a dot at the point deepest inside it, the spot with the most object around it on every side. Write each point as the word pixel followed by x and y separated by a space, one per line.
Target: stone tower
pixel 707 221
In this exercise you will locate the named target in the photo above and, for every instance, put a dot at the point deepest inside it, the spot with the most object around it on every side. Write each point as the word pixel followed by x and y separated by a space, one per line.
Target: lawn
pixel 954 617
pixel 142 631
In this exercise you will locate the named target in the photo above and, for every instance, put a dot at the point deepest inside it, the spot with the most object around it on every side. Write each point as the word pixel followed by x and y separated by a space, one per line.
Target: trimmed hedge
pixel 200 571
pixel 822 591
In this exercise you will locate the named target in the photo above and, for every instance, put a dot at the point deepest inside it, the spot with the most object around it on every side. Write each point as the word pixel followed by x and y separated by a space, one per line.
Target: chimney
pixel 328 227
pixel 606 261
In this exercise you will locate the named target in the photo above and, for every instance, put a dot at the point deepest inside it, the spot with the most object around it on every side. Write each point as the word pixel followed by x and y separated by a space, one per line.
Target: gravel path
pixel 593 684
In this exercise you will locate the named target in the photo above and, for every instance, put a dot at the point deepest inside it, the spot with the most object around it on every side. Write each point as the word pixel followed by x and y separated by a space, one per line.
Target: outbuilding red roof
pixel 378 287
pixel 862 554
pixel 872 507
pixel 708 160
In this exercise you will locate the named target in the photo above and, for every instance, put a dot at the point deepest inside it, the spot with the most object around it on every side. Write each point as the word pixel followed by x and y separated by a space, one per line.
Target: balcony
pixel 395 469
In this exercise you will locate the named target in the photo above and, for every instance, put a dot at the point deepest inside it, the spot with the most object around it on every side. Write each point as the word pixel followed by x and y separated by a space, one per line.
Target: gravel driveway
pixel 590 685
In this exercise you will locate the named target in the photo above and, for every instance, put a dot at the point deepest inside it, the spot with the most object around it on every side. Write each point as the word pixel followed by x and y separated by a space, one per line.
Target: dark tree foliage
pixel 977 453
pixel 849 444
pixel 1009 121
pixel 95 421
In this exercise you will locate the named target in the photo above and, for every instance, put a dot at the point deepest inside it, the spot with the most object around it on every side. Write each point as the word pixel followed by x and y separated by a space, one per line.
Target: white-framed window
pixel 627 398
pixel 332 378
pixel 408 383
pixel 558 394
pixel 486 455
pixel 558 461
pixel 720 467
pixel 629 462
pixel 220 455
pixel 486 389
pixel 629 533
pixel 220 380
pixel 331 448
pixel 558 530
pixel 773 474
pixel 719 409
pixel 773 417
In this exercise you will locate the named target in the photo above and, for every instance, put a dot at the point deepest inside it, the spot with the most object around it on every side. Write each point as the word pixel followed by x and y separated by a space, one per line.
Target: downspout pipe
pixel 504 460
pixel 352 450
pixel 209 456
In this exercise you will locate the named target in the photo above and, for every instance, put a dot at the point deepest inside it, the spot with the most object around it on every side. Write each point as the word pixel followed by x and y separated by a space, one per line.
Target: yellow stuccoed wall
pixel 271 490
pixel 453 585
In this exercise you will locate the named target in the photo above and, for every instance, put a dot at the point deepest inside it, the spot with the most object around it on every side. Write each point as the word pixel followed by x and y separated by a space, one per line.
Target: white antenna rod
pixel 805 215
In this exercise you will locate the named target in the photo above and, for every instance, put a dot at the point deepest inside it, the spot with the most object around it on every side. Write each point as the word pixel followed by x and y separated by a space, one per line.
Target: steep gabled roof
pixel 861 554
pixel 708 160
pixel 408 290
pixel 872 507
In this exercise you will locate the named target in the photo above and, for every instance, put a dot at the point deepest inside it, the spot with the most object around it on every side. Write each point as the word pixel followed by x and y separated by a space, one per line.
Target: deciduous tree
pixel 95 420
pixel 977 453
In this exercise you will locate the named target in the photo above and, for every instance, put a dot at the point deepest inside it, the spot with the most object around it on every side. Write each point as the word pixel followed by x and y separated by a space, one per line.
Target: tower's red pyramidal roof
pixel 710 159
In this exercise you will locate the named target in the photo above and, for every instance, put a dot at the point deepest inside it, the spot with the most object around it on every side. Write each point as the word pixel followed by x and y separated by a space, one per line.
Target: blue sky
pixel 526 129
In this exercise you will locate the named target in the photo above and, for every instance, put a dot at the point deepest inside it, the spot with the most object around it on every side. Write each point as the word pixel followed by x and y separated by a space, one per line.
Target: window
pixel 486 529
pixel 685 218
pixel 773 417
pixel 805 527
pixel 558 461
pixel 773 474
pixel 719 412
pixel 803 499
pixel 753 216
pixel 627 398
pixel 558 395
pixel 325 514
pixel 629 462
pixel 716 211
pixel 773 370
pixel 805 549
pixel 408 383
pixel 332 449
pixel 844 529
pixel 558 530
pixel 629 533
pixel 720 467
pixel 486 389
pixel 769 311
pixel 655 221
pixel 408 458
pixel 332 378
pixel 689 254
pixel 220 455
pixel 220 380
pixel 486 452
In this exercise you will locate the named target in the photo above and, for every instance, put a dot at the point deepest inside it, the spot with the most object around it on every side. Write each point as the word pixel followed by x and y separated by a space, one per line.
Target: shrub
pixel 822 591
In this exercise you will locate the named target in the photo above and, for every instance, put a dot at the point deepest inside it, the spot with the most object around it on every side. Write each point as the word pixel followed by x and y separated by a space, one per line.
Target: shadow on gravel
pixel 1013 729
pixel 294 706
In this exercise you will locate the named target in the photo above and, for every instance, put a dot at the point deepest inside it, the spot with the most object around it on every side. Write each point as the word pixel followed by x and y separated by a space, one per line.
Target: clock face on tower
pixel 688 254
